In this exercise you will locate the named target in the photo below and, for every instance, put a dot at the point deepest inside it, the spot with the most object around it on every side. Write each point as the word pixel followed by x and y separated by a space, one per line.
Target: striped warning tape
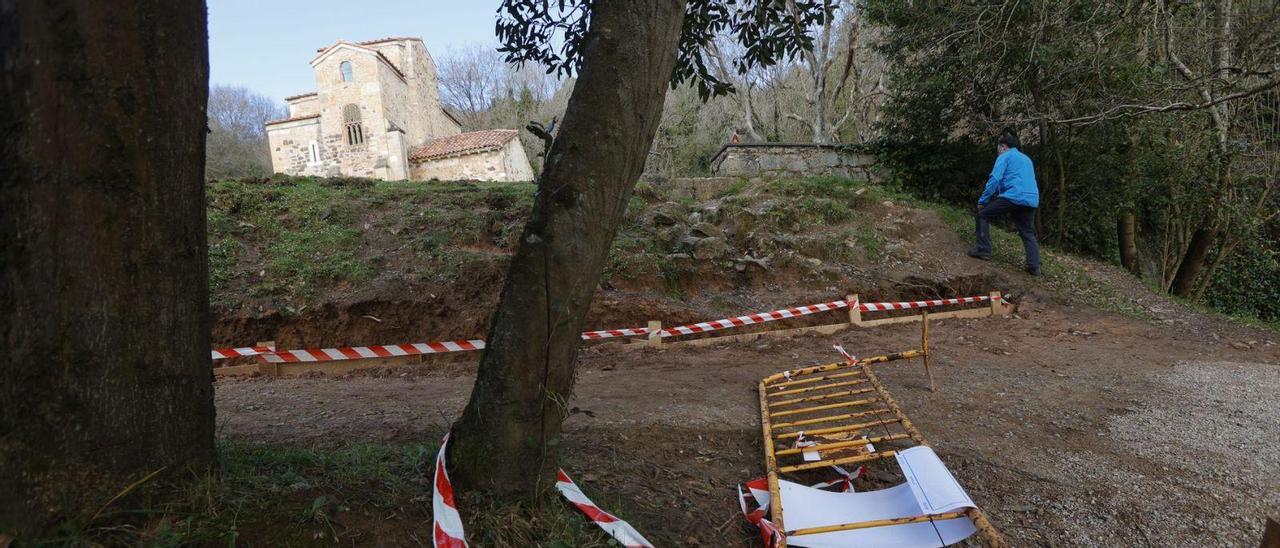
pixel 611 333
pixel 618 529
pixel 757 494
pixel 363 352
pixel 223 353
pixel 392 350
pixel 448 531
pixel 749 319
pixel 875 307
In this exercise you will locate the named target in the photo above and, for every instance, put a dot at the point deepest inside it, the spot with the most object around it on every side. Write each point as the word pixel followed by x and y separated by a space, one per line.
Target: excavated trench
pixel 446 315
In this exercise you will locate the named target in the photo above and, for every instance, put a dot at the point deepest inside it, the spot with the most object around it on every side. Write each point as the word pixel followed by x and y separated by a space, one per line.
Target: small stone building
pixel 376 113
pixel 490 155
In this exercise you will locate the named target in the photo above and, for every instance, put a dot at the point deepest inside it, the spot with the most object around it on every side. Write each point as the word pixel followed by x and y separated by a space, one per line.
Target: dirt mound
pixel 430 264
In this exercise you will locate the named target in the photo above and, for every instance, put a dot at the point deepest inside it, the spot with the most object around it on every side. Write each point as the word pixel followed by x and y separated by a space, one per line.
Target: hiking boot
pixel 1033 270
pixel 975 253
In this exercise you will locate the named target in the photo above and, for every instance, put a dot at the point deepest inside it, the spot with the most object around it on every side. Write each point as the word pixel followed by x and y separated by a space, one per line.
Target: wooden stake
pixel 924 348
pixel 855 312
pixel 655 335
pixel 265 367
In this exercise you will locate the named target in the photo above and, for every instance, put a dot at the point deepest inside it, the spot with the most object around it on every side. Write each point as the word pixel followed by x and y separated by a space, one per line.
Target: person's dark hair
pixel 1008 139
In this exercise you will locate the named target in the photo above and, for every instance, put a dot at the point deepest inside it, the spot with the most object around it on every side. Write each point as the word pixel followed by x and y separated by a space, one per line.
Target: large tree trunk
pixel 105 374
pixel 1184 282
pixel 1127 231
pixel 508 437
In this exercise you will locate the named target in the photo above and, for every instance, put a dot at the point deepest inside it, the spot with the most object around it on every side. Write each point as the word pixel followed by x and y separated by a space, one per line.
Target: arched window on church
pixel 351 120
pixel 345 67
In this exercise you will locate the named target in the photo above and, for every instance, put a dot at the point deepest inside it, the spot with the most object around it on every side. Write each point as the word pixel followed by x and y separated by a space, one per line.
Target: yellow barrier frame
pixel 878 411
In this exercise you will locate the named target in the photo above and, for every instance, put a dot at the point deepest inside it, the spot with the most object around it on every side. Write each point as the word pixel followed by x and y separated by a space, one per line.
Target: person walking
pixel 1011 190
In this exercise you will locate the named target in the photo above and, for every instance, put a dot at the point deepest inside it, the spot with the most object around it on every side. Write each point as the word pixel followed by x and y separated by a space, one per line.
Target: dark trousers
pixel 1024 217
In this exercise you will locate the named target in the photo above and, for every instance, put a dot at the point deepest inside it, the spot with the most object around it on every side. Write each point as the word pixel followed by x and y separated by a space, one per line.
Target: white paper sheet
pixel 934 487
pixel 805 507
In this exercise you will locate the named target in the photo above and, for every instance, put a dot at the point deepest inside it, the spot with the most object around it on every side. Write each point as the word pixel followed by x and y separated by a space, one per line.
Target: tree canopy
pixel 768 31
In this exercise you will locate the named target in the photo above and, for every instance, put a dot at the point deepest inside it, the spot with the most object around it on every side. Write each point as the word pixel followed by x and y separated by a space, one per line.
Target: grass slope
pixel 361 494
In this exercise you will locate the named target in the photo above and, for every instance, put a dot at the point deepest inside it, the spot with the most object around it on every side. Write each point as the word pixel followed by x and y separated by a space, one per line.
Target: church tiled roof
pixel 463 143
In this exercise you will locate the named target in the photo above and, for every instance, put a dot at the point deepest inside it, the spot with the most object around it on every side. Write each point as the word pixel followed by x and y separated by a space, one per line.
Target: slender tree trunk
pixel 1184 282
pixel 1225 247
pixel 1127 231
pixel 1062 194
pixel 749 113
pixel 105 374
pixel 508 437
pixel 1206 235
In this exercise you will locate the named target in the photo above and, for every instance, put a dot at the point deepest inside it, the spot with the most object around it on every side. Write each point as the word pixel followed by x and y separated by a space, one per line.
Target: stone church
pixel 376 113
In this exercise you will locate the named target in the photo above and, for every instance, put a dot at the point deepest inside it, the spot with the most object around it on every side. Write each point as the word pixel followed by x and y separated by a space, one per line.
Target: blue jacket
pixel 1013 178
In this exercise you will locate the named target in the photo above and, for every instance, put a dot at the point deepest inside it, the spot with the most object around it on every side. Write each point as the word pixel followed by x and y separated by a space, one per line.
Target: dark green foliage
pixel 552 34
pixel 1055 72
pixel 1249 283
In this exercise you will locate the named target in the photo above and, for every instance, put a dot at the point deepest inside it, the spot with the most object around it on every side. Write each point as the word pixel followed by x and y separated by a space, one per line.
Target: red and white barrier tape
pixel 853 360
pixel 759 317
pixel 392 350
pixel 757 492
pixel 618 529
pixel 447 529
pixel 448 532
pixel 875 307
pixel 224 353
pixel 611 333
pixel 362 352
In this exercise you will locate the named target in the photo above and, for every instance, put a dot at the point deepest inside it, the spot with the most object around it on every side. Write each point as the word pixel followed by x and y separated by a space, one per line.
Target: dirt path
pixel 1070 426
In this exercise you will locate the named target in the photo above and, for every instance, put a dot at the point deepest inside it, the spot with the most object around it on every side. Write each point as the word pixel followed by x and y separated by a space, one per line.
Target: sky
pixel 267 45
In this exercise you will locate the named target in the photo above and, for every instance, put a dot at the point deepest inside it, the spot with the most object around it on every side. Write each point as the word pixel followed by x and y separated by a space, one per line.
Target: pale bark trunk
pixel 508 437
pixel 105 373
pixel 1127 228
pixel 749 115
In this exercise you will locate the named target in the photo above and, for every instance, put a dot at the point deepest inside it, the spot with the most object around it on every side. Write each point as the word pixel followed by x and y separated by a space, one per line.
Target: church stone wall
pixel 517 163
pixel 365 91
pixel 304 106
pixel 291 147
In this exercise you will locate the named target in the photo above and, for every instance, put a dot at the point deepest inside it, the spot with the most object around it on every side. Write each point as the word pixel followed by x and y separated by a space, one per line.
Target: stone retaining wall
pixel 790 159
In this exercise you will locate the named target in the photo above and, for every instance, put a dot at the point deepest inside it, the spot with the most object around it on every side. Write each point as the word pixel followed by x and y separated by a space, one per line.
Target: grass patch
pixel 297 239
pixel 269 495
